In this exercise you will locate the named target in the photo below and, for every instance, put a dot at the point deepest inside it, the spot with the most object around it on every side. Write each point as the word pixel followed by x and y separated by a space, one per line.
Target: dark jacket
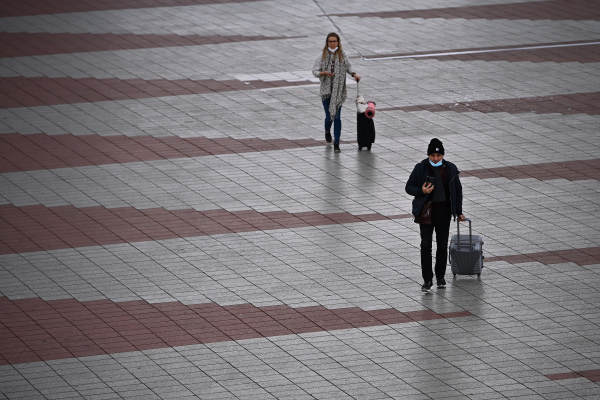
pixel 414 187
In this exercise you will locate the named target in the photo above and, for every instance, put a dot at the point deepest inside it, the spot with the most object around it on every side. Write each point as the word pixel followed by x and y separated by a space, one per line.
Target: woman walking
pixel 331 68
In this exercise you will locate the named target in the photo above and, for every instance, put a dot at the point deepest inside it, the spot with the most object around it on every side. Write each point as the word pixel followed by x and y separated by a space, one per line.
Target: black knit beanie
pixel 435 146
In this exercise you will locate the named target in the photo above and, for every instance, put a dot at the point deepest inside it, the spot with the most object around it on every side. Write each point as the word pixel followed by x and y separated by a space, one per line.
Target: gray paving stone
pixel 530 319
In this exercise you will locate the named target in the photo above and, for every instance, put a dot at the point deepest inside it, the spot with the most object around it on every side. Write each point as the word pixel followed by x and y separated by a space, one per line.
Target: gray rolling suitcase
pixel 466 253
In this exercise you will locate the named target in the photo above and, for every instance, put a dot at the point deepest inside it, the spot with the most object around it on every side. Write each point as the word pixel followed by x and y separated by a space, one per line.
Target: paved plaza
pixel 173 224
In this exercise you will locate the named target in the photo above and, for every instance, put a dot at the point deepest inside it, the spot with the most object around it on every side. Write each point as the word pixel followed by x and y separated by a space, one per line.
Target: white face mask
pixel 332 50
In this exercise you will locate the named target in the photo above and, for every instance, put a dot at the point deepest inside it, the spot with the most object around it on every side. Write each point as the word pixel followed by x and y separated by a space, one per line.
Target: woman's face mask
pixel 333 50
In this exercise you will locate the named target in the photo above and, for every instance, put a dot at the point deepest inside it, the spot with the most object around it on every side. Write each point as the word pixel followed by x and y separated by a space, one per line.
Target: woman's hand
pixel 356 77
pixel 461 218
pixel 326 73
pixel 427 188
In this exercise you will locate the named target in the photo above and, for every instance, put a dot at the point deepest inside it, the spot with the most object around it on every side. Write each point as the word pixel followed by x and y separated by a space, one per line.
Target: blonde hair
pixel 339 50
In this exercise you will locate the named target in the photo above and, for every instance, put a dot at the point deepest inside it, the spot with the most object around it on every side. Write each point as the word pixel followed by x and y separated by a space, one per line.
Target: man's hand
pixel 461 218
pixel 427 188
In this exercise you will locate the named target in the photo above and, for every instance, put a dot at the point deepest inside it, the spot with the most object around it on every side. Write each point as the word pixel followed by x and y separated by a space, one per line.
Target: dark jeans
pixel 337 123
pixel 440 222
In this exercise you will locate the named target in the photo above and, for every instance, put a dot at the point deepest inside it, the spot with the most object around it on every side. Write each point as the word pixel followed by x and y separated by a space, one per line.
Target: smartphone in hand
pixel 429 180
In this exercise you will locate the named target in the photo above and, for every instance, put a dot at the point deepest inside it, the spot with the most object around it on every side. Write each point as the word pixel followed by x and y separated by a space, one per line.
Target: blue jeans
pixel 337 123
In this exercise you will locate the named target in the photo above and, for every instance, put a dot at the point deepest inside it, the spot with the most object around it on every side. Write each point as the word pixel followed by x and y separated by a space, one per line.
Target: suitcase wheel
pixel 478 275
pixel 359 148
pixel 369 147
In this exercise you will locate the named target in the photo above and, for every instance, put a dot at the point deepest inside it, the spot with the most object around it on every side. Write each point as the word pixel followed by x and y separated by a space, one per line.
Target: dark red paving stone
pixel 10 8
pixel 566 375
pixel 41 151
pixel 555 10
pixel 593 375
pixel 570 170
pixel 585 256
pixel 24 44
pixel 36 228
pixel 581 52
pixel 140 326
pixel 42 91
pixel 577 103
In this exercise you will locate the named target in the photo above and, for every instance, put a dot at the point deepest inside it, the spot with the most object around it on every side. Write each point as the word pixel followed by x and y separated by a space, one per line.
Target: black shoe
pixel 426 286
pixel 441 283
pixel 328 137
pixel 336 147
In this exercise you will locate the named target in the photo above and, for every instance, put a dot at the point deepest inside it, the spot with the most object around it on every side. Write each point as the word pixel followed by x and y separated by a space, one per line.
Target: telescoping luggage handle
pixel 470 234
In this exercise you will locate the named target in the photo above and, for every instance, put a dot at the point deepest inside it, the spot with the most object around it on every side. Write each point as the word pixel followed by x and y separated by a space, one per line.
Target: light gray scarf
pixel 337 91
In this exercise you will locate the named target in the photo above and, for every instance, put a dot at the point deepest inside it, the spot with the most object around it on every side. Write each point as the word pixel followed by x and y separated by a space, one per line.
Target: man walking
pixel 437 180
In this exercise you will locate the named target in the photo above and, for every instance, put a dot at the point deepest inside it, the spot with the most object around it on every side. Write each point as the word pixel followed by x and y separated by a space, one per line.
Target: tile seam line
pixel 480 51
